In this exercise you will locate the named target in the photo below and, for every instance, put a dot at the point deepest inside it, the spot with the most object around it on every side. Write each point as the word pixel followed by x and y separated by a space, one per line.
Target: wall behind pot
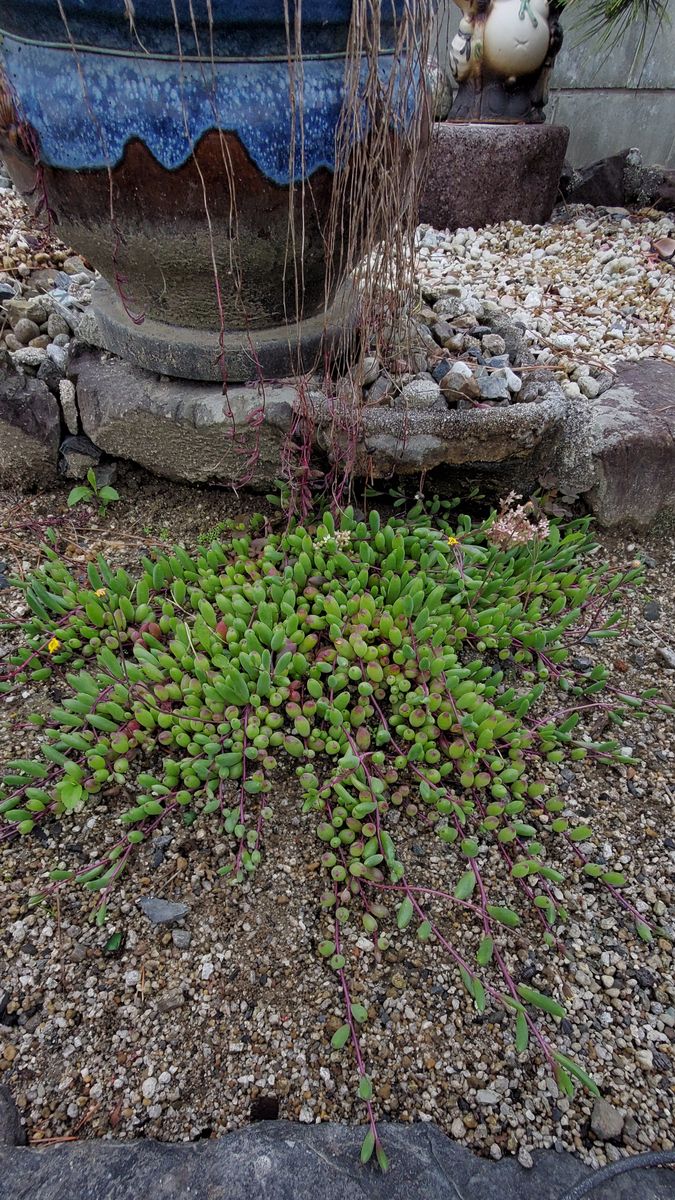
pixel 610 100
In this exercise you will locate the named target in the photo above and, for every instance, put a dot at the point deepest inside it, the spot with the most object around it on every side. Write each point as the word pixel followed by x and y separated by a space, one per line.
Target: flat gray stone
pixel 163 912
pixel 29 431
pixel 180 429
pixel 280 1160
pixel 181 938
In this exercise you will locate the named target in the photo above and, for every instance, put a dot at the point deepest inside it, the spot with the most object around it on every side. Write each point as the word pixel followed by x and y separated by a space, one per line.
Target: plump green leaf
pixel 404 913
pixel 545 1003
pixel 340 1037
pixel 465 886
pixel 574 1069
pixel 485 951
pixel 367 1146
pixel 580 833
pixel 522 1032
pixel 382 1160
pixel 505 916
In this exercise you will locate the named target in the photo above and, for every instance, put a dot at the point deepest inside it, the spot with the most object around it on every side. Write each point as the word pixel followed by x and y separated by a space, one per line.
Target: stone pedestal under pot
pixel 479 174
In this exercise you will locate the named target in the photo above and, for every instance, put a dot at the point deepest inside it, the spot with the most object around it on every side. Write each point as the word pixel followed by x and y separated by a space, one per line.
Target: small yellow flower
pixel 453 541
pixel 53 645
pixel 100 592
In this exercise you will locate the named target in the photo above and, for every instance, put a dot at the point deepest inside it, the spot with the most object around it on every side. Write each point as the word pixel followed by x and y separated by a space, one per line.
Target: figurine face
pixel 516 36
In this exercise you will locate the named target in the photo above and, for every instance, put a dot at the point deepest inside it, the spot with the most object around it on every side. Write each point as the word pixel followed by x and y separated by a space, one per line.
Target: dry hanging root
pixel 380 152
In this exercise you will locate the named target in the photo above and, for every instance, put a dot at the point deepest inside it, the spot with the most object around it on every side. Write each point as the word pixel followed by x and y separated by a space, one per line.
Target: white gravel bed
pixel 589 287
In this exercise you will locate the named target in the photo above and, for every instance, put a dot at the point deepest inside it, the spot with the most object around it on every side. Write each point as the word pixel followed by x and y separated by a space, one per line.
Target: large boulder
pixel 618 449
pixel 30 426
pixel 633 439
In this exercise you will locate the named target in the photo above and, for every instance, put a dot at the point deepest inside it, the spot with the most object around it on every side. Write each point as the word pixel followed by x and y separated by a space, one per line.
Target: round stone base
pixel 233 357
pixel 482 174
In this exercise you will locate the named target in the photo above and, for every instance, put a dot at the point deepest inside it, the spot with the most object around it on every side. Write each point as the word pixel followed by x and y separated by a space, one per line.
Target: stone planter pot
pixel 162 146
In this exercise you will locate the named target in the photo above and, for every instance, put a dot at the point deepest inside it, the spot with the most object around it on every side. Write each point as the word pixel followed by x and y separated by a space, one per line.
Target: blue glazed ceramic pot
pixel 158 141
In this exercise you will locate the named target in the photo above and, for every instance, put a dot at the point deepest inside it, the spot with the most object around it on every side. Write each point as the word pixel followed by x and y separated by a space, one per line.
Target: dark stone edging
pixel 282 1160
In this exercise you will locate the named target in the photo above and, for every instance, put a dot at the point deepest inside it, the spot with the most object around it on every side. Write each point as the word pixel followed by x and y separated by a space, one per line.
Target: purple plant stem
pixel 360 1064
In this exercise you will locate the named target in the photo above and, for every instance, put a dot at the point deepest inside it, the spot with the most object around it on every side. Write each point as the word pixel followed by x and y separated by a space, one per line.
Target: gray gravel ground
pixel 186 1030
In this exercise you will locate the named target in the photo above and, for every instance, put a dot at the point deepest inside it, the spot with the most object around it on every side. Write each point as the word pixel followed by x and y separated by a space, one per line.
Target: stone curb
pixel 282 1160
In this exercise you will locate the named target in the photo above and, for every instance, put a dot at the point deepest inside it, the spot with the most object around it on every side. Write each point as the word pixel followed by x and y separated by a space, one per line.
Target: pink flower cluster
pixel 517 524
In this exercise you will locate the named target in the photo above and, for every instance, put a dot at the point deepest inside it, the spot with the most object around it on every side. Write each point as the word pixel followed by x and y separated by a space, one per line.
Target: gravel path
pixel 191 1030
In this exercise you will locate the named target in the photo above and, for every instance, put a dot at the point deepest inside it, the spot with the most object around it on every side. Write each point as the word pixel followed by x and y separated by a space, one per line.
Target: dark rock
pixel 664 198
pixel 51 374
pixel 513 335
pixel 159 846
pixel 440 370
pixel 530 160
pixel 644 977
pixel 493 386
pixel 105 474
pixel 12 1132
pixel 652 611
pixel 281 1160
pixel 581 662
pixel 76 455
pixel 29 431
pixel 619 180
pixel 380 391
pixel 163 912
pixel 59 355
